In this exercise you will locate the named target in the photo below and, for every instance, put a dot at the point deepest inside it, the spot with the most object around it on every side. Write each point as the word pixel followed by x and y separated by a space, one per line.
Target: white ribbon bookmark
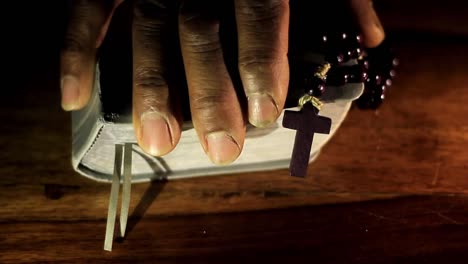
pixel 126 188
pixel 114 194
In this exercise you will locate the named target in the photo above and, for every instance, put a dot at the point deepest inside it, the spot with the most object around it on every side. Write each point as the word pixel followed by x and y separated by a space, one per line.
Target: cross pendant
pixel 306 122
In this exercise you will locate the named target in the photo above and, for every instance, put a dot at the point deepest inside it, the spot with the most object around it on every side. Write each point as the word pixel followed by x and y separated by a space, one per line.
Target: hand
pixel 217 115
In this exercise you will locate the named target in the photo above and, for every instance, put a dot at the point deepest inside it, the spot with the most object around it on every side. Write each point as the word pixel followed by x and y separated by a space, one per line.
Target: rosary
pixel 375 68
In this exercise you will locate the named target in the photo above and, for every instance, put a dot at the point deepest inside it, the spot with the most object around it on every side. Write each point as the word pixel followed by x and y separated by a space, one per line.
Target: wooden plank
pixel 398 231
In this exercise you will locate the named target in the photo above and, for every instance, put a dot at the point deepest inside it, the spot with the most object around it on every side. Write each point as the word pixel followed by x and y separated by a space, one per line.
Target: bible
pixel 107 121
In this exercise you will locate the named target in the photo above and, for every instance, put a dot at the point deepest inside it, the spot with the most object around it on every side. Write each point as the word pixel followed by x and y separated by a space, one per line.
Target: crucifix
pixel 306 122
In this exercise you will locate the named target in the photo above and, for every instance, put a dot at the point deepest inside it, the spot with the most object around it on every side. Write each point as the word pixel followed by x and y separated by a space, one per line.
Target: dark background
pixel 391 187
pixel 33 30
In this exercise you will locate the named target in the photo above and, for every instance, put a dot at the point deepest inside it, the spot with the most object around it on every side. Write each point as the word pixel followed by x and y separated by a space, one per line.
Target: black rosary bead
pixel 358 39
pixel 314 86
pixel 375 80
pixel 324 39
pixel 372 98
pixel 356 53
pixel 364 64
pixel 335 57
pixel 337 76
pixel 357 73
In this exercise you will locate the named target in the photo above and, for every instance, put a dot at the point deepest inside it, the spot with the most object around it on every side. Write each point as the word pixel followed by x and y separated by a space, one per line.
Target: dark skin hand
pixel 216 111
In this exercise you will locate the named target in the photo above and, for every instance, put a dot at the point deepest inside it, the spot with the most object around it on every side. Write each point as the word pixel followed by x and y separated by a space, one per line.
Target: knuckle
pixel 151 93
pixel 148 99
pixel 193 20
pixel 147 26
pixel 198 17
pixel 149 78
pixel 148 32
pixel 152 24
pixel 188 16
pixel 150 17
pixel 207 107
pixel 254 63
pixel 150 8
pixel 84 24
pixel 202 44
pixel 209 99
pixel 206 101
pixel 199 28
pixel 76 40
pixel 201 41
pixel 261 10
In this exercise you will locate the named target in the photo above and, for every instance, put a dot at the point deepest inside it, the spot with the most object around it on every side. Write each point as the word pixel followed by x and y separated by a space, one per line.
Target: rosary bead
pixel 338 76
pixel 372 98
pixel 358 38
pixel 345 79
pixel 356 53
pixel 335 58
pixel 379 94
pixel 315 86
pixel 364 76
pixel 378 79
pixel 357 73
pixel 347 55
pixel 344 36
pixel 388 82
pixel 319 91
pixel 324 39
pixel 364 64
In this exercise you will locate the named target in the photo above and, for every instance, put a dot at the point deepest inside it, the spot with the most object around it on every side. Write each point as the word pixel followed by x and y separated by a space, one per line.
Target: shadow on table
pixel 154 189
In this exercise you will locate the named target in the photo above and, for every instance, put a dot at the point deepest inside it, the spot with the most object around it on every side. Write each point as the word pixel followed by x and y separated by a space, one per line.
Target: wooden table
pixel 390 187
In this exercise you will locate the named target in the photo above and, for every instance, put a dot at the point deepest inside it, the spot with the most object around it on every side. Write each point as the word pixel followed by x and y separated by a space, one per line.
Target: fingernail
pixel 379 31
pixel 70 93
pixel 222 148
pixel 378 28
pixel 155 135
pixel 262 110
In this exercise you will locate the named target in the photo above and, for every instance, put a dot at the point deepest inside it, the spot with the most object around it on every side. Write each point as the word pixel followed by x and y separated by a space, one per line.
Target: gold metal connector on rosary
pixel 313 100
pixel 322 71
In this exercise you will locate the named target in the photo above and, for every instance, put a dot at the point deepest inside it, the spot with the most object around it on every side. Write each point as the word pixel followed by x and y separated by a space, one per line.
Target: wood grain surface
pixel 390 187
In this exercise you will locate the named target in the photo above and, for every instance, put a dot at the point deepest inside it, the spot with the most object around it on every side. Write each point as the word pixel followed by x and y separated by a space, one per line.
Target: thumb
pixel 368 22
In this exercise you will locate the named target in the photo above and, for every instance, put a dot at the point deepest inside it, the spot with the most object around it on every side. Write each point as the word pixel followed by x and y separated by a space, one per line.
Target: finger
pixel 369 23
pixel 156 124
pixel 216 112
pixel 263 64
pixel 78 53
pixel 105 27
